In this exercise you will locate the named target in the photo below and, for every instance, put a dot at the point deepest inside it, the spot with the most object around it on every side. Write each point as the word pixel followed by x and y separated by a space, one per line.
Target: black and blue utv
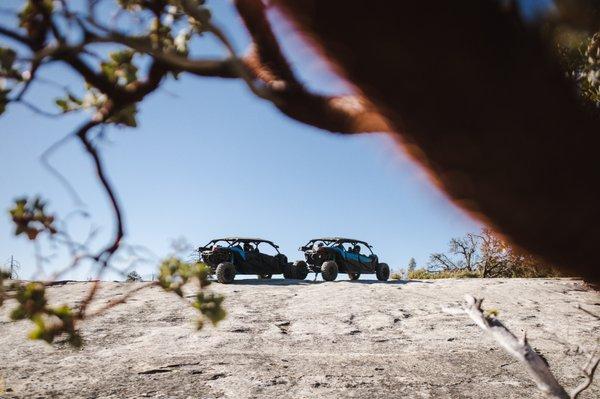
pixel 230 256
pixel 331 255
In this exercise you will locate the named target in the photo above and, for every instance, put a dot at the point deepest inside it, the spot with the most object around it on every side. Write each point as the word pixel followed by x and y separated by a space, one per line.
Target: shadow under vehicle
pixel 331 255
pixel 230 256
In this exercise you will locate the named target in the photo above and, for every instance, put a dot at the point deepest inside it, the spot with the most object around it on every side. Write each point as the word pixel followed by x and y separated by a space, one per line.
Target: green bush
pixel 396 276
pixel 424 274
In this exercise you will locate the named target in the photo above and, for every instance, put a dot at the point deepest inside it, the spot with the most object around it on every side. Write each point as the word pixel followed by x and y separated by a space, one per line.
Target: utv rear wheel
pixel 354 276
pixel 329 270
pixel 382 272
pixel 300 270
pixel 225 273
pixel 265 276
pixel 288 271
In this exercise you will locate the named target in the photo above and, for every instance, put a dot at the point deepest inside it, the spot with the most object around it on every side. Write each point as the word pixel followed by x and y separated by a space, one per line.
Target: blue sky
pixel 209 160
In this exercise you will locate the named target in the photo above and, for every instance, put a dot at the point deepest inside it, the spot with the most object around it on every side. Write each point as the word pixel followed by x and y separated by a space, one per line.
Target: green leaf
pixel 30 218
pixel 126 116
pixel 210 305
pixel 122 57
pixel 3 100
pixel 69 103
pixel 62 104
pixel 7 58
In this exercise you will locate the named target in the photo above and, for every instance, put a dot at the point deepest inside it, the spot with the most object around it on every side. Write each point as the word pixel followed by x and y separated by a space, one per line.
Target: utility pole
pixel 14 266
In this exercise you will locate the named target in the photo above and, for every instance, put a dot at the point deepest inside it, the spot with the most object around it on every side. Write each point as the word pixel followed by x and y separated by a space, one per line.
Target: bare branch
pixel 45 159
pixel 588 372
pixel 16 36
pixel 442 260
pixel 340 114
pixel 103 257
pixel 517 348
pixel 266 49
pixel 520 349
pixel 34 108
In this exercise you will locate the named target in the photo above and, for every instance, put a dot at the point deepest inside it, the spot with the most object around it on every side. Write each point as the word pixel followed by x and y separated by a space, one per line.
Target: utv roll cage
pixel 232 241
pixel 331 241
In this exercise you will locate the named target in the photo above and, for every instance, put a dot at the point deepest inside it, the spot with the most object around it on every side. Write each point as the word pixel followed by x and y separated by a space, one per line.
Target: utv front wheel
pixel 382 272
pixel 300 270
pixel 354 276
pixel 225 273
pixel 329 270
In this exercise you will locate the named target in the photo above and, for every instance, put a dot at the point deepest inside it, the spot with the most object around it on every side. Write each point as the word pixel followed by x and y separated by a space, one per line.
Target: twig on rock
pixel 520 349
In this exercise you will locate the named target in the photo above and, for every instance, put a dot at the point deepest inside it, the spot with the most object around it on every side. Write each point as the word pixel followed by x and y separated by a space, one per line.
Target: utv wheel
pixel 300 270
pixel 329 270
pixel 382 272
pixel 288 271
pixel 354 276
pixel 225 272
pixel 265 276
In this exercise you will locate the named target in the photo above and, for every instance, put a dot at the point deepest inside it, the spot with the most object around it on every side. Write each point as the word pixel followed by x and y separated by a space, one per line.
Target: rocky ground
pixel 283 339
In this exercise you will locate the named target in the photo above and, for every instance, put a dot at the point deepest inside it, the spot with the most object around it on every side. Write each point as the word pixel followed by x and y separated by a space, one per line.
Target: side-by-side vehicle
pixel 230 256
pixel 331 255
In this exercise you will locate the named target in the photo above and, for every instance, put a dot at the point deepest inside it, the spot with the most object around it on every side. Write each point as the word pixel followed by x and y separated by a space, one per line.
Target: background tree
pixel 490 256
pixel 133 276
pixel 412 265
pixel 464 255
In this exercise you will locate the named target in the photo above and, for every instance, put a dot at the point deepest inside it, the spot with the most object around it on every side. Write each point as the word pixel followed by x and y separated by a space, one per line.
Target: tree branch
pixel 588 372
pixel 520 349
pixel 45 159
pixel 104 255
pixel 517 348
pixel 15 36
pixel 97 80
pixel 340 114
pixel 441 260
pixel 91 150
pixel 270 62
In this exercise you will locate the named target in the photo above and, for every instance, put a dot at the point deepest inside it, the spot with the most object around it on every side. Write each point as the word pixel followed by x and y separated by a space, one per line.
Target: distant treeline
pixel 483 255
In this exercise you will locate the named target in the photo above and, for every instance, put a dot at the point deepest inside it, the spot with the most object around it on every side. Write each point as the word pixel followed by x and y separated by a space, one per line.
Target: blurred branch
pixel 341 114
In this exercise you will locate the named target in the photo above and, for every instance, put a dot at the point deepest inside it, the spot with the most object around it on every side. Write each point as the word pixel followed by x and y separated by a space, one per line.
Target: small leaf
pixel 30 218
pixel 3 99
pixel 7 58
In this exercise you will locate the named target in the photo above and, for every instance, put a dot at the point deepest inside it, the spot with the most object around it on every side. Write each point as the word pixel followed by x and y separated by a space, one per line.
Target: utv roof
pixel 244 239
pixel 334 239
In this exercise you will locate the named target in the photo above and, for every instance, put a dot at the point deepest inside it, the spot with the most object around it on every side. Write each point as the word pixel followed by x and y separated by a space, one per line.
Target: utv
pixel 235 255
pixel 335 254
